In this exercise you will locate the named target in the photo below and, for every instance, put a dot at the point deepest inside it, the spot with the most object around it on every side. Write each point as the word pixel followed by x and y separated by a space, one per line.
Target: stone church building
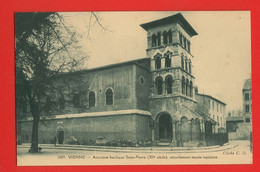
pixel 148 99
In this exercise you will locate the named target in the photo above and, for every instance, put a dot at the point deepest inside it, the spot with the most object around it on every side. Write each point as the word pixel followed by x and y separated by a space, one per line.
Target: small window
pixel 248 120
pixel 170 36
pixel 189 46
pixel 187 87
pixel 183 86
pixel 109 97
pixel 182 62
pixel 165 39
pixel 153 40
pixel 180 38
pixel 185 43
pixel 169 82
pixel 191 89
pixel 159 38
pixel 158 61
pixel 246 96
pixel 190 67
pixel 167 60
pixel 247 108
pixel 186 64
pixel 92 99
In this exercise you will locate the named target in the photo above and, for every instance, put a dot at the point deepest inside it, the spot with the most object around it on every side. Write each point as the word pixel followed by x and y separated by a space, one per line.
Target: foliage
pixel 45 47
pixel 73 141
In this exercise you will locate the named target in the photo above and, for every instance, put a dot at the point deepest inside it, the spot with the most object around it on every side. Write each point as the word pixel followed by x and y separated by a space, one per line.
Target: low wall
pixel 242 132
pixel 216 139
pixel 130 127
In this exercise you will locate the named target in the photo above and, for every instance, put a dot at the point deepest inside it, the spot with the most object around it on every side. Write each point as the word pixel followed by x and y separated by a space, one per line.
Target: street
pixel 237 153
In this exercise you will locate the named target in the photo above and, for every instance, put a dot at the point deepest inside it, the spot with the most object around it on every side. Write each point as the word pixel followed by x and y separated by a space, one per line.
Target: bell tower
pixel 172 100
pixel 169 49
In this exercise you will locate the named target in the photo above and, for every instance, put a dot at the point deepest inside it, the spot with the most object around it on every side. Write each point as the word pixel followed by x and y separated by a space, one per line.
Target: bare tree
pixel 45 48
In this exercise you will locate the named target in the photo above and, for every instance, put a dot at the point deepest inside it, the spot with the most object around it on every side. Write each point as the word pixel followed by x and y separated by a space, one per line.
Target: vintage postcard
pixel 133 88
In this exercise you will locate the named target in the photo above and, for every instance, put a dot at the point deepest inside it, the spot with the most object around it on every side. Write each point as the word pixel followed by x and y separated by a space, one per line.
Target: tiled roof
pixel 211 97
pixel 247 85
pixel 174 18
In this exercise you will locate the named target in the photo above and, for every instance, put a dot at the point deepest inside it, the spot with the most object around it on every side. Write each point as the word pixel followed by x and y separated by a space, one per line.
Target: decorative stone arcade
pixel 178 132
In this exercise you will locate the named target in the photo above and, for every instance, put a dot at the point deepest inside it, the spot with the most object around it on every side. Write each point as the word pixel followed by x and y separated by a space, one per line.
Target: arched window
pixel 158 61
pixel 189 46
pixel 182 62
pixel 190 67
pixel 61 105
pixel 187 87
pixel 109 97
pixel 159 38
pixel 191 89
pixel 180 38
pixel 186 64
pixel 168 84
pixel 168 61
pixel 185 42
pixel 165 39
pixel 170 36
pixel 159 85
pixel 153 40
pixel 91 99
pixel 183 86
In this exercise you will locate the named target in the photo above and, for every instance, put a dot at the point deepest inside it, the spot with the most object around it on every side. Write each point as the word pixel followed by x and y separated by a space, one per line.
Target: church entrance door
pixel 60 136
pixel 165 128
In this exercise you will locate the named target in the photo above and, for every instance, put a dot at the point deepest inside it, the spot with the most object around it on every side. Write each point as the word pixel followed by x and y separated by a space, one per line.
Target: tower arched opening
pixel 165 127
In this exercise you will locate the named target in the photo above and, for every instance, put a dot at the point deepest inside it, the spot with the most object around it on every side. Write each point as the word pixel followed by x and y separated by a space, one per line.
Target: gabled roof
pixel 247 85
pixel 174 18
pixel 209 96
pixel 131 62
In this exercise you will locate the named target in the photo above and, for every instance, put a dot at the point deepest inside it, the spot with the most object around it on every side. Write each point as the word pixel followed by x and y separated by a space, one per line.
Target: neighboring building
pixel 247 100
pixel 239 123
pixel 149 99
pixel 233 118
pixel 235 113
pixel 232 123
pixel 215 109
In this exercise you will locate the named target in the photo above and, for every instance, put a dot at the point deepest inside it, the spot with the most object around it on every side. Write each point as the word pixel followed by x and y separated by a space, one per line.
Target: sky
pixel 221 50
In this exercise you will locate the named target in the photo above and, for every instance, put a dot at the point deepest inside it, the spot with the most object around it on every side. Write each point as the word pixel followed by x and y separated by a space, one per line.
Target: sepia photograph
pixel 133 88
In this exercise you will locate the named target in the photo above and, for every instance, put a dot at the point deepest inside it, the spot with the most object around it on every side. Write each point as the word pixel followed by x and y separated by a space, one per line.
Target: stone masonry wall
pixel 130 127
